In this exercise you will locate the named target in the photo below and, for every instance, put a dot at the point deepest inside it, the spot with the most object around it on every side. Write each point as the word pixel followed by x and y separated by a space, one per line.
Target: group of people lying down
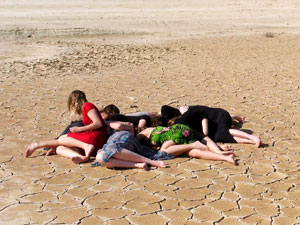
pixel 140 140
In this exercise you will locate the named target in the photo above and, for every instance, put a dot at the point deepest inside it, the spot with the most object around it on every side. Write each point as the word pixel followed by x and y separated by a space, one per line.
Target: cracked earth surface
pixel 257 77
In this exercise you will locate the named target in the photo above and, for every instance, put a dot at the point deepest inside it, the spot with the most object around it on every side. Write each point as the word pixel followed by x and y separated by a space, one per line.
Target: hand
pixel 75 129
pixel 51 151
pixel 157 148
pixel 128 123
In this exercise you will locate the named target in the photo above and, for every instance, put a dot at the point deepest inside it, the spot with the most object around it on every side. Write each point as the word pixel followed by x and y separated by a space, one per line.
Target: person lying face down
pixel 178 139
pixel 109 110
pixel 215 123
pixel 123 150
pixel 139 120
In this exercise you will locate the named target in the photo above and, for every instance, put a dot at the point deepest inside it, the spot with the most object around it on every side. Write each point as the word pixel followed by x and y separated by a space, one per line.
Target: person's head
pixel 109 110
pixel 169 112
pixel 172 120
pixel 159 121
pixel 76 101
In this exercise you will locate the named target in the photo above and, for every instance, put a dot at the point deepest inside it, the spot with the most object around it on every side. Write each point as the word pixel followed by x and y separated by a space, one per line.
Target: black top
pixel 169 112
pixel 193 119
pixel 219 122
pixel 212 114
pixel 132 119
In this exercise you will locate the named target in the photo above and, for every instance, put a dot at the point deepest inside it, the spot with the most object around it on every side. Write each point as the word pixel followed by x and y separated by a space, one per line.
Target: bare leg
pixel 241 136
pixel 124 164
pixel 72 154
pixel 112 162
pixel 72 142
pixel 34 146
pixel 196 153
pixel 180 149
pixel 130 156
pixel 215 148
pixel 225 147
pixel 243 141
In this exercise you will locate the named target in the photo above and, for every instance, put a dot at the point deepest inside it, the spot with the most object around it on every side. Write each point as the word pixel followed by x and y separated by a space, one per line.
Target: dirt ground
pixel 139 55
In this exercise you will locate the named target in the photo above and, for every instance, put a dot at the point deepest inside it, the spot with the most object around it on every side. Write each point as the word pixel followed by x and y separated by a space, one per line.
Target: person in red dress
pixel 83 141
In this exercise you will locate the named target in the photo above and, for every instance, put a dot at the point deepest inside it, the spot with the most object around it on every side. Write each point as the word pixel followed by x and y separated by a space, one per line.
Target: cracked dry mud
pixel 257 77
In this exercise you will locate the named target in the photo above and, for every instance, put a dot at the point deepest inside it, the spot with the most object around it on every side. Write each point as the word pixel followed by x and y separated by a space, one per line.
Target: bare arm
pixel 205 126
pixel 212 145
pixel 118 125
pixel 93 126
pixel 142 123
pixel 166 145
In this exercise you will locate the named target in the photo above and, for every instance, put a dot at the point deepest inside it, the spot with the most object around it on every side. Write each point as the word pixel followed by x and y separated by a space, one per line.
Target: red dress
pixel 93 137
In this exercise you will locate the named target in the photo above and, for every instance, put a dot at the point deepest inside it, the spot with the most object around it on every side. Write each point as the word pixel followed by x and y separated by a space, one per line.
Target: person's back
pixel 193 118
pixel 132 119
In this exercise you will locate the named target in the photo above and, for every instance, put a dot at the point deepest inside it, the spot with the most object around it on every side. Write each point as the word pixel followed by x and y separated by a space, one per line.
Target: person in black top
pixel 192 120
pixel 137 121
pixel 215 123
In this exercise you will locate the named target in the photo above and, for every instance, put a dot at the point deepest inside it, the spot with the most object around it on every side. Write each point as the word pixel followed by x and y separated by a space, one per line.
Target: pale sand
pixel 140 55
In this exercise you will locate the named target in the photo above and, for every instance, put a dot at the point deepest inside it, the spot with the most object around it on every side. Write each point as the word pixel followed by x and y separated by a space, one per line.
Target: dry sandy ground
pixel 239 55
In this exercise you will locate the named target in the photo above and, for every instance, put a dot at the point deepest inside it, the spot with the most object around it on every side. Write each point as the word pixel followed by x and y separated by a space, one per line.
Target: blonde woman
pixel 81 142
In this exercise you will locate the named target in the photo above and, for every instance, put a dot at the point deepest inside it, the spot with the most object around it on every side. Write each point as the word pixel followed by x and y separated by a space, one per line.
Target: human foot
pixel 225 147
pixel 30 149
pixel 79 159
pixel 51 151
pixel 144 166
pixel 257 141
pixel 230 159
pixel 158 163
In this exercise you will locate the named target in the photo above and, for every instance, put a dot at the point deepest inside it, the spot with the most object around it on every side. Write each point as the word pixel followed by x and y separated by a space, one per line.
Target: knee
pixel 61 138
pixel 59 149
pixel 99 159
pixel 194 153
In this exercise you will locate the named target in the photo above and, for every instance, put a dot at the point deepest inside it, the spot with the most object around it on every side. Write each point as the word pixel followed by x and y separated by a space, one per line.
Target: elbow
pixel 97 124
pixel 128 127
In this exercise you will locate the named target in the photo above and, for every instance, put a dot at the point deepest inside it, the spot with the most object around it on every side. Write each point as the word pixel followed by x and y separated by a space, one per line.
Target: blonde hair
pixel 76 101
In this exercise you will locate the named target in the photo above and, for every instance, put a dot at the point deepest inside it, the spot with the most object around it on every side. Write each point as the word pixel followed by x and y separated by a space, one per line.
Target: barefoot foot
pixel 230 159
pixel 225 147
pixel 51 151
pixel 144 166
pixel 257 141
pixel 79 159
pixel 158 163
pixel 30 149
